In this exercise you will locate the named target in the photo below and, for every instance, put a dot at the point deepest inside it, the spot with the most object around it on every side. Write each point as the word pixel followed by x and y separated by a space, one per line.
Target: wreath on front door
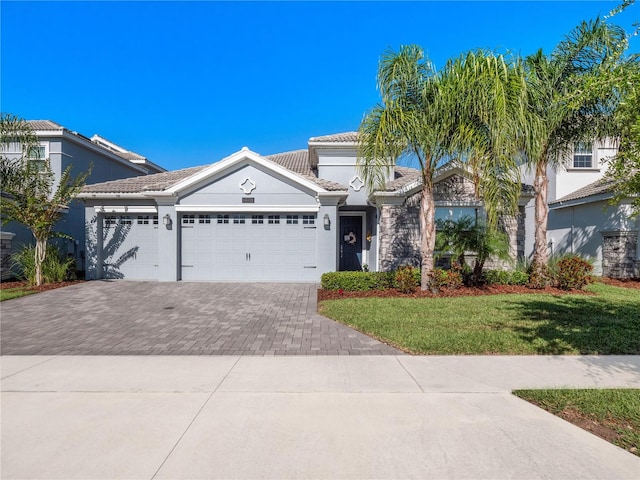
pixel 350 238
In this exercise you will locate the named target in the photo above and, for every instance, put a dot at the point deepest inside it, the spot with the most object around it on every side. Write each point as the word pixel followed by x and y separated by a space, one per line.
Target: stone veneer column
pixel 620 254
pixel 5 254
pixel 399 235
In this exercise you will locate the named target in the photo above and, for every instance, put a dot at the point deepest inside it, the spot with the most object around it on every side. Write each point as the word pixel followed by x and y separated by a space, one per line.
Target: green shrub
pixel 573 272
pixel 56 268
pixel 502 277
pixel 356 281
pixel 539 277
pixel 446 279
pixel 406 280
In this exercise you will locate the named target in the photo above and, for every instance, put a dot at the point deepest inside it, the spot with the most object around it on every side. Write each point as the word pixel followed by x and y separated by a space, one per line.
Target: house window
pixel 257 219
pixel 125 220
pixel 37 156
pixel 143 219
pixel 223 218
pixel 187 219
pixel 155 219
pixel 308 219
pixel 238 219
pixel 456 213
pixel 274 219
pixel 292 219
pixel 204 218
pixel 583 155
pixel 109 220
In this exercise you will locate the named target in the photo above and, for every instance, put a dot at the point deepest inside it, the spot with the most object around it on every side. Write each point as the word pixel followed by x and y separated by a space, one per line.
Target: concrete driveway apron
pixel 182 318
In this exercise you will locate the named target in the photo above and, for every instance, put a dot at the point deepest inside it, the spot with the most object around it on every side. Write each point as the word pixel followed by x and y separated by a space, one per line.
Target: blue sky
pixel 188 83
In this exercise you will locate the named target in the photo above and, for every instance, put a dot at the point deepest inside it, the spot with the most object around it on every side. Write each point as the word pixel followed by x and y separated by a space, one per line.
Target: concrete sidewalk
pixel 303 417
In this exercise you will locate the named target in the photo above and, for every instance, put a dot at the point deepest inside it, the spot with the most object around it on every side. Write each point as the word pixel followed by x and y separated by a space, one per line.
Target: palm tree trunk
pixel 41 251
pixel 427 233
pixel 540 186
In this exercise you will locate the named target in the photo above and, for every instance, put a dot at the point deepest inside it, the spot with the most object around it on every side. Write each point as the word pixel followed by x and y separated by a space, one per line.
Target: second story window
pixel 37 155
pixel 583 155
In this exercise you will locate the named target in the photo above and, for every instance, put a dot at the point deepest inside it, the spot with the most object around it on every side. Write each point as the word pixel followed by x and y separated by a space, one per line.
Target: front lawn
pixel 606 322
pixel 9 293
pixel 613 414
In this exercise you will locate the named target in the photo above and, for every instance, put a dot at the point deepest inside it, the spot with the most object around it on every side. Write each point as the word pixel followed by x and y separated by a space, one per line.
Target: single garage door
pixel 130 247
pixel 270 247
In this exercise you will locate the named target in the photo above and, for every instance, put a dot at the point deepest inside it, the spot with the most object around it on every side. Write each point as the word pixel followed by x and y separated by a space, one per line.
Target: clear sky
pixel 188 83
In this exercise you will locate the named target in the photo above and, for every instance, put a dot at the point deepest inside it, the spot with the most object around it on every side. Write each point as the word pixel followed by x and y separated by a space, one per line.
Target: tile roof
pixel 346 137
pixel 44 125
pixel 403 176
pixel 144 183
pixel 604 185
pixel 297 161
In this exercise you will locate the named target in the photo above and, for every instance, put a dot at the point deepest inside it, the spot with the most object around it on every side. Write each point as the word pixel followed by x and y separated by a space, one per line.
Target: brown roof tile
pixel 144 183
pixel 604 185
pixel 346 137
pixel 44 125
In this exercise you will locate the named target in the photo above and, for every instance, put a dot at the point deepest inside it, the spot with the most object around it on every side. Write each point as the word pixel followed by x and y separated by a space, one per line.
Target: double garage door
pixel 260 247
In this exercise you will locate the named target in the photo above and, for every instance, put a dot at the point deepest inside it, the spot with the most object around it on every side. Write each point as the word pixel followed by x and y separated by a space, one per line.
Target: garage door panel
pixel 250 247
pixel 130 247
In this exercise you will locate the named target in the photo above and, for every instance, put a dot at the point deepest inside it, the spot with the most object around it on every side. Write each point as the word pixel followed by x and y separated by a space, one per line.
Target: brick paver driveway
pixel 151 318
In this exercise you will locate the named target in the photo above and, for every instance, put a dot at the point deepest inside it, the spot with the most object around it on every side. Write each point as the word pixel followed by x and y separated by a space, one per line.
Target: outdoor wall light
pixel 326 221
pixel 166 220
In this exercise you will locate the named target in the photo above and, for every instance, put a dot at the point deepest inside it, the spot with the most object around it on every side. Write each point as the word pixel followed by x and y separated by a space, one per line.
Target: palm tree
pixel 29 194
pixel 563 113
pixel 464 111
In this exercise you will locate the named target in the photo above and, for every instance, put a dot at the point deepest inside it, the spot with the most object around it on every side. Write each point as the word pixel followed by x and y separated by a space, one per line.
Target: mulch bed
pixel 41 288
pixel 472 291
pixel 445 292
pixel 624 282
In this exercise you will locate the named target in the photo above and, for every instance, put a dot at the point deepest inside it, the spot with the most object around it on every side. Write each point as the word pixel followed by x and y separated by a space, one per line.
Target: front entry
pixel 350 240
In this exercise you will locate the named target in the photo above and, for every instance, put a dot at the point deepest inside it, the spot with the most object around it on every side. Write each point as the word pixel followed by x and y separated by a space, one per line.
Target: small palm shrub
pixel 572 271
pixel 56 267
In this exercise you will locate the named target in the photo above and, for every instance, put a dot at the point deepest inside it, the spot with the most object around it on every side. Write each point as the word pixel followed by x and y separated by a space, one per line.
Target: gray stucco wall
pixel 269 190
pixel 580 230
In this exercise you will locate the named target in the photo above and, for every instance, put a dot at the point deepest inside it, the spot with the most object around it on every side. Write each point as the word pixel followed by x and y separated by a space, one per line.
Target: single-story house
pixel 287 217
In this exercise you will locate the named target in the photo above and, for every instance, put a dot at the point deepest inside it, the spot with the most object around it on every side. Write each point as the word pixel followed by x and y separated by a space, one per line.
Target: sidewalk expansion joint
pixel 194 418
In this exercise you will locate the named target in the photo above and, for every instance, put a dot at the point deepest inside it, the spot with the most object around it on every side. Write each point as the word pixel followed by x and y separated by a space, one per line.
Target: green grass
pixel 9 293
pixel 616 409
pixel 517 324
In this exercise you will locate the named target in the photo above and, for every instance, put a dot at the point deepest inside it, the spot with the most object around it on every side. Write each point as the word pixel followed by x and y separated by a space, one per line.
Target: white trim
pixel 89 196
pixel 242 156
pixel 125 209
pixel 249 207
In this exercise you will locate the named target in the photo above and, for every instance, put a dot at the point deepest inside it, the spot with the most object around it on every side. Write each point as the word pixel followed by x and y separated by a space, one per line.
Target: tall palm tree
pixel 562 112
pixel 463 111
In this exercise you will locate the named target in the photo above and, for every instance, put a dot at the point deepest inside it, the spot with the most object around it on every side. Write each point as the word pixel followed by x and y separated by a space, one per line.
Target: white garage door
pixel 271 247
pixel 130 247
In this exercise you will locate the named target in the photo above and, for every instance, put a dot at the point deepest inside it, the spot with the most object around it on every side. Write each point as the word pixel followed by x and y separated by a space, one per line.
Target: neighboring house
pixel 287 217
pixel 582 220
pixel 63 147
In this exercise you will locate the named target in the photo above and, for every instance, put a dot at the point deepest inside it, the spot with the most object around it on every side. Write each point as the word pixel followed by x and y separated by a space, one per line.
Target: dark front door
pixel 350 243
